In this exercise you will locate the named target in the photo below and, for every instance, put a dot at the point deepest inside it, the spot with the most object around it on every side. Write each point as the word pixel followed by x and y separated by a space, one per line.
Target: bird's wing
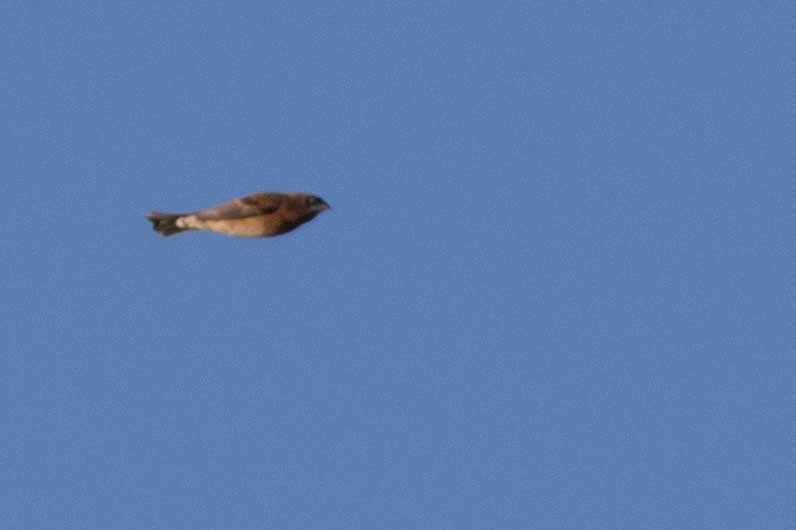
pixel 259 204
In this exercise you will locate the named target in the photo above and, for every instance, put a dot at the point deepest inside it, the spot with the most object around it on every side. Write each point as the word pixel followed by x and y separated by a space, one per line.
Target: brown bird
pixel 260 215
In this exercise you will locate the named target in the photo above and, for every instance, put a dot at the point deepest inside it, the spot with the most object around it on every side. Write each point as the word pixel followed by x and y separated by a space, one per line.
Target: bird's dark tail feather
pixel 165 224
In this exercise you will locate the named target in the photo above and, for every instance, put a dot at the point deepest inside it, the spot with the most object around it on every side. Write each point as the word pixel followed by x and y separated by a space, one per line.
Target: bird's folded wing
pixel 260 204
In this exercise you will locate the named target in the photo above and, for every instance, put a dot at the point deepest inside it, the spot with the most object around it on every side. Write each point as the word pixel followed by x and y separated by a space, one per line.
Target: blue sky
pixel 555 288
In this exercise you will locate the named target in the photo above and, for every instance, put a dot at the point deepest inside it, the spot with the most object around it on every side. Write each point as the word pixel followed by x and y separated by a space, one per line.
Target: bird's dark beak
pixel 320 205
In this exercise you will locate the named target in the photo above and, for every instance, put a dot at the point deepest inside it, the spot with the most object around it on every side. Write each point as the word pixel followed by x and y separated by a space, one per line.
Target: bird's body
pixel 260 215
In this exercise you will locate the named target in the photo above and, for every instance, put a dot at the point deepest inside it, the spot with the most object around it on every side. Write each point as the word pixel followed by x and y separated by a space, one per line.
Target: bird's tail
pixel 165 224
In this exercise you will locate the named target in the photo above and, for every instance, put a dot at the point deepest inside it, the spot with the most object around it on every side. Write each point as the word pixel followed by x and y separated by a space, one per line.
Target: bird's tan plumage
pixel 259 215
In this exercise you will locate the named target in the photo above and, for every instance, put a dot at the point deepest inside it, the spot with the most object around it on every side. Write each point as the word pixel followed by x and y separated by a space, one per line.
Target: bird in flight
pixel 259 215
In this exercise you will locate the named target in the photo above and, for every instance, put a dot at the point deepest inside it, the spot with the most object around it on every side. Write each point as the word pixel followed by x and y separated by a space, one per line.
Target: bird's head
pixel 315 204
